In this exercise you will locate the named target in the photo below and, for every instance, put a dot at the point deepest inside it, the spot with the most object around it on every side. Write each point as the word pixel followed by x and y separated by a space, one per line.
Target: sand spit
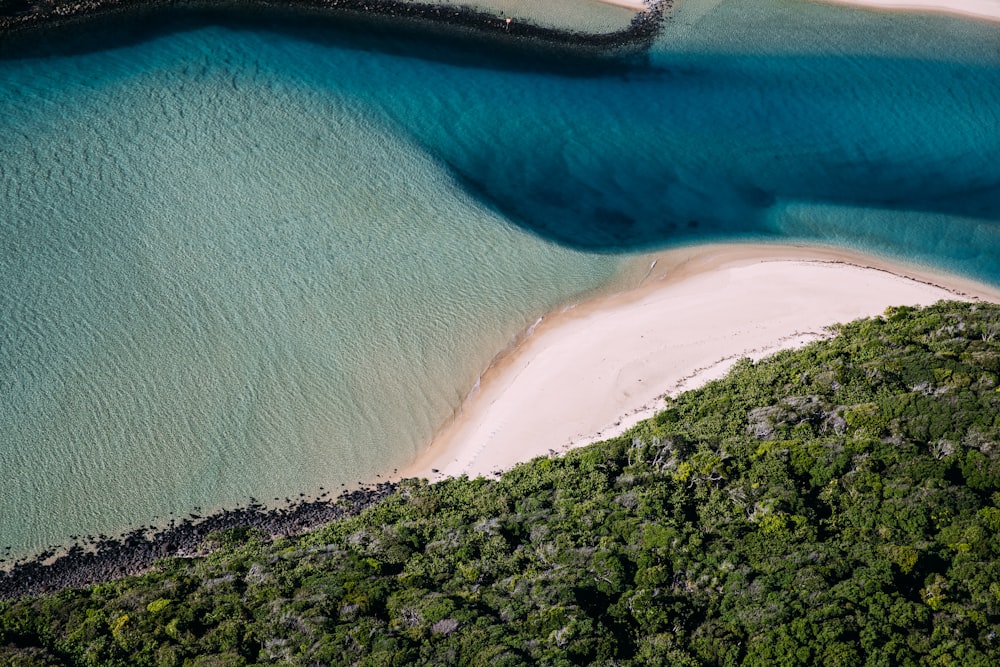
pixel 594 370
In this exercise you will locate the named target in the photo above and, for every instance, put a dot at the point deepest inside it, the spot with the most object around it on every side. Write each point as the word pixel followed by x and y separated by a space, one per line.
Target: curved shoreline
pixel 593 370
pixel 140 548
pixel 641 31
pixel 693 281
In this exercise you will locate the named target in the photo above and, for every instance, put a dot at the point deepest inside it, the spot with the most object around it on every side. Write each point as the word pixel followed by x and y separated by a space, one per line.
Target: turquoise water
pixel 247 259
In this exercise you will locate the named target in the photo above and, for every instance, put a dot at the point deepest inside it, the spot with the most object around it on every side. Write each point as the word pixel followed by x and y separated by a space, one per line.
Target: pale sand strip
pixel 637 5
pixel 986 9
pixel 594 370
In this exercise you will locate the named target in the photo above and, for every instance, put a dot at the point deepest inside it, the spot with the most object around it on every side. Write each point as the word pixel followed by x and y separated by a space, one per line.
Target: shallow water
pixel 255 260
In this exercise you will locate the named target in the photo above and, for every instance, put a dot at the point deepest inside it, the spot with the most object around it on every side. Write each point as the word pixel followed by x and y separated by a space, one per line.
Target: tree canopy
pixel 836 505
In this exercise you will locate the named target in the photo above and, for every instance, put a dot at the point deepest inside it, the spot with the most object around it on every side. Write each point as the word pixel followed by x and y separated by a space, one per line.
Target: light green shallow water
pixel 221 285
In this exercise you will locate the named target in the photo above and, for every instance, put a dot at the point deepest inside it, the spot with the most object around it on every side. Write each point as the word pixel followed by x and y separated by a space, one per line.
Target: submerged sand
pixel 594 370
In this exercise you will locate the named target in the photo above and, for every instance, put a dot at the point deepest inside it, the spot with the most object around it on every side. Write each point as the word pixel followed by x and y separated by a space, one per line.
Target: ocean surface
pixel 252 258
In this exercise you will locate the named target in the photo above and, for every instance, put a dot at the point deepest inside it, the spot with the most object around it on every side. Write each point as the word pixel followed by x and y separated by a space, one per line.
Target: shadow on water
pixel 717 145
pixel 711 147
pixel 568 207
pixel 625 152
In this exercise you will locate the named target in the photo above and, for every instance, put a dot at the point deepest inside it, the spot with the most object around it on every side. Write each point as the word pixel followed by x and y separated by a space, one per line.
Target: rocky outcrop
pixel 101 558
pixel 22 14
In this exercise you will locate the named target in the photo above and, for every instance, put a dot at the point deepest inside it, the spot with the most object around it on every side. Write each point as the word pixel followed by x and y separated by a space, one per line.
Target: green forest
pixel 834 505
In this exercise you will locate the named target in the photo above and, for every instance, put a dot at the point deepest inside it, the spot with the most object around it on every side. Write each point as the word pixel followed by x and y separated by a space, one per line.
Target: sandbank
pixel 985 9
pixel 638 5
pixel 595 369
pixel 989 9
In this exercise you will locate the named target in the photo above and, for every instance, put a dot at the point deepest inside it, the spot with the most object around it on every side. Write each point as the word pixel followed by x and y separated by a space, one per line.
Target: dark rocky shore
pixel 102 558
pixel 19 15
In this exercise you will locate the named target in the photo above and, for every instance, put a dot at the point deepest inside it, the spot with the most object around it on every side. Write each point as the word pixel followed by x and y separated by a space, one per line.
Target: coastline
pixel 129 546
pixel 102 558
pixel 591 371
pixel 979 9
pixel 645 25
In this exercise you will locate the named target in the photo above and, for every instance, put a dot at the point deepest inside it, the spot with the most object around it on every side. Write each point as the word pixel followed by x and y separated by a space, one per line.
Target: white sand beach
pixel 592 371
pixel 637 5
pixel 987 9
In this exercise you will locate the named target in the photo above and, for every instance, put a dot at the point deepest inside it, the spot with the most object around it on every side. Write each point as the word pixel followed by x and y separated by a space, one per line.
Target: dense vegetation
pixel 838 505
